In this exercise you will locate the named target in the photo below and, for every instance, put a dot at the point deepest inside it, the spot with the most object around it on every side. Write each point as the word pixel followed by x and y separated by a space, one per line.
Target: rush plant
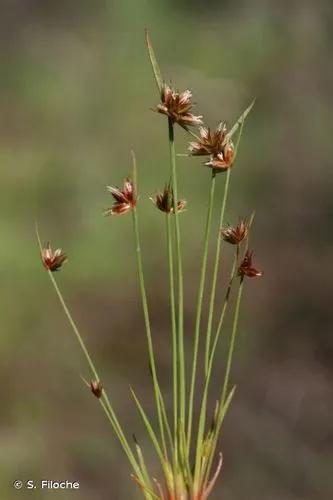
pixel 187 448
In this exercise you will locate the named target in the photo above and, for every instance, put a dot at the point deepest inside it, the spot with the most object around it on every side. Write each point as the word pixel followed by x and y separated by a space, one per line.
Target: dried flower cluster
pixel 177 106
pixel 96 388
pixel 53 261
pixel 125 199
pixel 246 267
pixel 235 235
pixel 165 201
pixel 217 145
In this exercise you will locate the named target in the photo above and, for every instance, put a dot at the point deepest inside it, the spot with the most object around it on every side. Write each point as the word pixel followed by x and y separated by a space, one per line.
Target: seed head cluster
pixel 53 260
pixel 125 199
pixel 177 106
pixel 235 235
pixel 165 202
pixel 96 388
pixel 217 145
pixel 246 267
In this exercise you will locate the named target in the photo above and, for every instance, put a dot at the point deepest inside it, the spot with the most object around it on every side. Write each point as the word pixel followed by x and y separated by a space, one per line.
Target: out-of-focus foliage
pixel 75 96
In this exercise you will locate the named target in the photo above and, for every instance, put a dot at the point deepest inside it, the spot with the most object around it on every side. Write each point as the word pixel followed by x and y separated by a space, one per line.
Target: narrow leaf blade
pixel 224 408
pixel 154 63
pixel 241 119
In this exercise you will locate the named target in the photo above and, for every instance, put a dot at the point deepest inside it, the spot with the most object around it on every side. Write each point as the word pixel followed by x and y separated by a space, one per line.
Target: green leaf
pixel 241 120
pixel 154 64
pixel 224 408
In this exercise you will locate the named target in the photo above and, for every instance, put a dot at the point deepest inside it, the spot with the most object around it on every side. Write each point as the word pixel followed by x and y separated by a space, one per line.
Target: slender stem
pixel 164 461
pixel 219 421
pixel 203 410
pixel 215 272
pixel 158 399
pixel 227 375
pixel 120 435
pixel 199 305
pixel 232 341
pixel 236 318
pixel 166 422
pixel 240 123
pixel 226 300
pixel 181 355
pixel 73 325
pixel 105 401
pixel 174 334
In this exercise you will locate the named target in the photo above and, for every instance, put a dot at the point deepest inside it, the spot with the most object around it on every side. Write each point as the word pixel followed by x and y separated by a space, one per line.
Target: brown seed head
pixel 217 144
pixel 125 199
pixel 53 260
pixel 210 143
pixel 224 159
pixel 235 235
pixel 165 201
pixel 96 388
pixel 177 106
pixel 246 268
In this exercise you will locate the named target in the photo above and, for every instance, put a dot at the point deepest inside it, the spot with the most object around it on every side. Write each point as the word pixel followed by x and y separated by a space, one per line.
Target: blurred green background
pixel 76 95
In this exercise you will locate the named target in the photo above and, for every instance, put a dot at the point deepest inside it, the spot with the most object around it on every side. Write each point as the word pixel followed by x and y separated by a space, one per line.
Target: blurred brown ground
pixel 75 96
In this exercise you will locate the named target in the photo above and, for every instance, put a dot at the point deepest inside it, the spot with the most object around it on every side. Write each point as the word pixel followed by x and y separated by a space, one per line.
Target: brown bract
pixel 235 235
pixel 165 201
pixel 53 260
pixel 96 388
pixel 217 145
pixel 246 268
pixel 177 106
pixel 125 199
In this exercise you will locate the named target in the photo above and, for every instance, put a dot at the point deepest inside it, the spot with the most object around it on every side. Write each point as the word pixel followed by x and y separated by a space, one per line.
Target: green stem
pixel 240 123
pixel 73 325
pixel 203 410
pixel 174 335
pixel 215 272
pixel 227 375
pixel 181 355
pixel 120 435
pixel 105 401
pixel 158 399
pixel 226 300
pixel 164 461
pixel 199 305
pixel 232 341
